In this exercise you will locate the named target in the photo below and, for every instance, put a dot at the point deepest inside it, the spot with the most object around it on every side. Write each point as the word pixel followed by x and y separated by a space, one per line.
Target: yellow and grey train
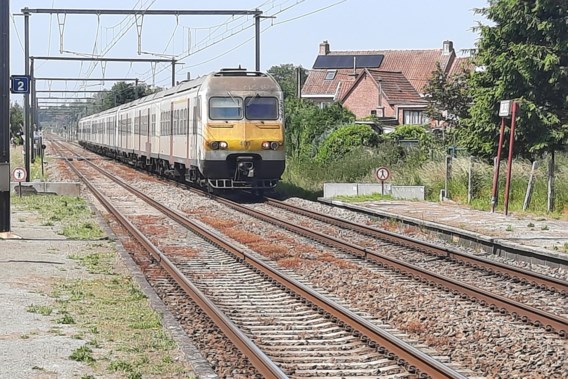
pixel 224 130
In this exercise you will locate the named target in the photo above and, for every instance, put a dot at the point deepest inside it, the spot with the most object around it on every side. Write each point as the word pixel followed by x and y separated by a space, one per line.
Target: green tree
pixel 448 97
pixel 120 93
pixel 287 77
pixel 16 118
pixel 522 55
pixel 308 124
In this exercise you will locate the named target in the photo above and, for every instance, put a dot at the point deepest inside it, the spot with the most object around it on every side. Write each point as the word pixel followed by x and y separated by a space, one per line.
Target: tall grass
pixel 305 178
pixel 17 160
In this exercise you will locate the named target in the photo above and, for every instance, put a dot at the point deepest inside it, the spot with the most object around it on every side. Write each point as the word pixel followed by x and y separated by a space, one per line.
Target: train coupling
pixel 245 167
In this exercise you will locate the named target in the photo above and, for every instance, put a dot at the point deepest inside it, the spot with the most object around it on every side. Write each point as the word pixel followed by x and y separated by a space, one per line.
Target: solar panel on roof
pixel 346 61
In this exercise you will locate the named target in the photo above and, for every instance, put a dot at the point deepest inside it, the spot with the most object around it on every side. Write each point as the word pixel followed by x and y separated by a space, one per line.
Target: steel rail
pixel 549 321
pixel 411 356
pixel 487 264
pixel 258 359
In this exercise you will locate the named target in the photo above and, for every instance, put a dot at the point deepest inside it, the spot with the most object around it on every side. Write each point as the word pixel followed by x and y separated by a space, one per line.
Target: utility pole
pixel 4 116
pixel 27 127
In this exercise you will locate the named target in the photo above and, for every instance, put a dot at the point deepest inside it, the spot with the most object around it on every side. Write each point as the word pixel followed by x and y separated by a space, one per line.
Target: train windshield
pixel 226 108
pixel 261 108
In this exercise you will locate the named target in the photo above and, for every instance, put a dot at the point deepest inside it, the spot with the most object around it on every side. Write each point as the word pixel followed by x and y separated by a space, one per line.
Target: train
pixel 222 131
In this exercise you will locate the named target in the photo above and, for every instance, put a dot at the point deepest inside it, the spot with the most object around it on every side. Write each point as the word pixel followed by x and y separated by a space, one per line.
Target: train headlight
pixel 214 145
pixel 223 145
pixel 267 145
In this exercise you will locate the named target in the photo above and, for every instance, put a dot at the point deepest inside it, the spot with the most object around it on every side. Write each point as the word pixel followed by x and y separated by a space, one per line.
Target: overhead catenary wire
pixel 262 31
pixel 232 27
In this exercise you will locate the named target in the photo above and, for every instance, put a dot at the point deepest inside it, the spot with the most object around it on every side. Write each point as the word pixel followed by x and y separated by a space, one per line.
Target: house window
pixel 330 75
pixel 413 118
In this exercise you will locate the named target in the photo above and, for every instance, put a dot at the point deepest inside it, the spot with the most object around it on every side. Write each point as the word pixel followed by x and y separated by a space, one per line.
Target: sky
pixel 291 33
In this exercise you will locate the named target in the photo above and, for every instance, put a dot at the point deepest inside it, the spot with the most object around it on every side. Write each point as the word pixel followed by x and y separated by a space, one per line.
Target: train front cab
pixel 243 133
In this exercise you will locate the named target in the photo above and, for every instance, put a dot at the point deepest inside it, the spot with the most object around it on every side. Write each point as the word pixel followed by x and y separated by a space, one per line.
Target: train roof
pixel 181 87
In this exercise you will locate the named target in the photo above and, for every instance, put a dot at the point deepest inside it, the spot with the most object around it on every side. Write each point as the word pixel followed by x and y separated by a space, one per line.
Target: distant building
pixel 385 83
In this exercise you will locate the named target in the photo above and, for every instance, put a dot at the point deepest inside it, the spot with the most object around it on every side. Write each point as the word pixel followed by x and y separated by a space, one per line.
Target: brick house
pixel 386 83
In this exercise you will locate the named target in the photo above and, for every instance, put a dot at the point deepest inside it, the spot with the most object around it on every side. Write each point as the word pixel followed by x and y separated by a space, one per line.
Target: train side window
pixel 261 108
pixel 226 108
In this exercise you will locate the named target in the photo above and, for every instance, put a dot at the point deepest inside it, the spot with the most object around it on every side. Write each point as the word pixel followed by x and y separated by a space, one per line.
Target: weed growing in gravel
pixel 43 310
pixel 83 354
pixel 66 319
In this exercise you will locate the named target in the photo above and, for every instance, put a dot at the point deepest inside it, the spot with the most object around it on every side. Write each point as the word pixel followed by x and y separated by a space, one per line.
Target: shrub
pixel 342 140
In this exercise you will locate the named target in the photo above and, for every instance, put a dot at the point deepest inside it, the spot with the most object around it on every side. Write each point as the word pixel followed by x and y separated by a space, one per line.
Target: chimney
pixel 324 48
pixel 447 48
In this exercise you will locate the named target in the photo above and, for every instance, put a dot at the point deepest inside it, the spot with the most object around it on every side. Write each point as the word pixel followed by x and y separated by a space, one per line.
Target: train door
pixel 120 131
pixel 139 132
pixel 187 133
pixel 196 129
pixel 148 145
pixel 129 125
pixel 164 134
pixel 171 133
pixel 155 129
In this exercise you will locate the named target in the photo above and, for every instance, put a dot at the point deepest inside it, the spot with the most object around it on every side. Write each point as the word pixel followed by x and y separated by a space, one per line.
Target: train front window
pixel 261 108
pixel 226 108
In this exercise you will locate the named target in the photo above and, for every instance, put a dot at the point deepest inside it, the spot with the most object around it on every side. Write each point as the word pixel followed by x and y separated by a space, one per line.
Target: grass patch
pixel 305 177
pixel 96 263
pixel 362 198
pixel 71 214
pixel 116 311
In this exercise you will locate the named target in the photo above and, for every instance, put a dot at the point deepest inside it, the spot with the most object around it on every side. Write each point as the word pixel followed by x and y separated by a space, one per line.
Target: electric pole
pixel 4 116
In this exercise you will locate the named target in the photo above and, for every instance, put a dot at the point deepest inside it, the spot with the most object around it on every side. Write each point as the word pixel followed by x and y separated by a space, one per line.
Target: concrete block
pixel 57 188
pixel 360 189
pixel 371 188
pixel 408 192
pixel 339 189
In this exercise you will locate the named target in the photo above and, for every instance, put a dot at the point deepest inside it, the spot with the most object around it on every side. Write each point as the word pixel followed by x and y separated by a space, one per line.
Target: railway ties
pixel 546 303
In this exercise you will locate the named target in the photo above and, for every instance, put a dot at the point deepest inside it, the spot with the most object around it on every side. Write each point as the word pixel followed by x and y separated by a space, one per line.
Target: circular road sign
pixel 19 174
pixel 382 174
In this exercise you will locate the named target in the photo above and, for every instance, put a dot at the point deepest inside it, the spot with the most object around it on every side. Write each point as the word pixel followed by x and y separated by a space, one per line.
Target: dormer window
pixel 330 75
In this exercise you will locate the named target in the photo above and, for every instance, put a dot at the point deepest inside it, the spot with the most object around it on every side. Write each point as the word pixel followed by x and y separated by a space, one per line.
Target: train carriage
pixel 224 130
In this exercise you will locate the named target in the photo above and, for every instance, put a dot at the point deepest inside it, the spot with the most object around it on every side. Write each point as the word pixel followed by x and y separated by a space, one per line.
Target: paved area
pixel 538 233
pixel 31 344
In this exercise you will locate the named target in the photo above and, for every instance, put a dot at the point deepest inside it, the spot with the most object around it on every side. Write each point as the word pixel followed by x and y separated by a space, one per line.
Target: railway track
pixel 306 333
pixel 225 221
pixel 550 321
